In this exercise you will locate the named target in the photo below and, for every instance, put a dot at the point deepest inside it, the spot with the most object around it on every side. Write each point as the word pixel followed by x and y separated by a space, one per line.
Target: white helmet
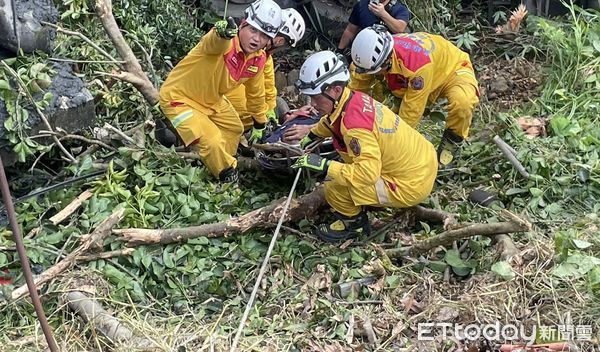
pixel 264 15
pixel 293 25
pixel 319 71
pixel 371 48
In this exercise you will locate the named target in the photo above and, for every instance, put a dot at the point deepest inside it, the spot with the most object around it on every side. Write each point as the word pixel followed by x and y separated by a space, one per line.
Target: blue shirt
pixel 362 17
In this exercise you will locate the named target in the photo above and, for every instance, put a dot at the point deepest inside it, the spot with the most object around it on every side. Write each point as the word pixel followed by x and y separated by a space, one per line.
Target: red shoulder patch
pixel 360 112
pixel 412 54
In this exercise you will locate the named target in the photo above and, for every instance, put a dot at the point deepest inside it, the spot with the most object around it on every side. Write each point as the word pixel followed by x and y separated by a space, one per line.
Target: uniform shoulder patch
pixel 417 83
pixel 355 146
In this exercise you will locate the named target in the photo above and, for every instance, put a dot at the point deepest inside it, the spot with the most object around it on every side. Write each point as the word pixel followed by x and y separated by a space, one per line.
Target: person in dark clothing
pixel 365 13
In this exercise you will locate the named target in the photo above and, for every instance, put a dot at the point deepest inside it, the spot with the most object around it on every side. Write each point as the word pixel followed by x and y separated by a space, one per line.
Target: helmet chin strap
pixel 334 101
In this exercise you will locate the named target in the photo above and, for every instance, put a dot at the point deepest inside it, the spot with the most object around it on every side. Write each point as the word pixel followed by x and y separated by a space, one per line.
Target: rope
pixel 224 12
pixel 263 267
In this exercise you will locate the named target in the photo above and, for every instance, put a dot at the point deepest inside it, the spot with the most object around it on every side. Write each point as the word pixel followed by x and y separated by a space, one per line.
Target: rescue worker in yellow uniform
pixel 386 163
pixel 193 95
pixel 419 68
pixel 291 32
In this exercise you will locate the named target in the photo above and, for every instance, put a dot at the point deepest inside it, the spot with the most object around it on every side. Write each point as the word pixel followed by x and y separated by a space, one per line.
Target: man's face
pixel 251 39
pixel 323 104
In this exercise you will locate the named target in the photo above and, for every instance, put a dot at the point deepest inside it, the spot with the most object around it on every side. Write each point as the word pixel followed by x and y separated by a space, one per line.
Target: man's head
pixel 372 49
pixel 262 22
pixel 323 77
pixel 291 31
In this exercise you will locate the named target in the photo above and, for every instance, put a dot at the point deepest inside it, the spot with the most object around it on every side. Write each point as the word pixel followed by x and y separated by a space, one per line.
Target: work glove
pixel 307 140
pixel 226 29
pixel 257 133
pixel 312 162
pixel 272 117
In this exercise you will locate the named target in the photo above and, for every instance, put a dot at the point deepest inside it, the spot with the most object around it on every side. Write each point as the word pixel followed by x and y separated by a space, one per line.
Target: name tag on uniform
pixel 253 69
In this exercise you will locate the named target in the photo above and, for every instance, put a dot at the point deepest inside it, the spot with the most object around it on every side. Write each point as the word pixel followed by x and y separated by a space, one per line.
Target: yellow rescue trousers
pixel 463 96
pixel 213 131
pixel 237 98
pixel 350 200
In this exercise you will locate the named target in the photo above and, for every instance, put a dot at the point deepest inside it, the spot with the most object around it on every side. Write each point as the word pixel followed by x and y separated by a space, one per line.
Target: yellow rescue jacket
pixel 213 68
pixel 375 143
pixel 421 64
pixel 237 96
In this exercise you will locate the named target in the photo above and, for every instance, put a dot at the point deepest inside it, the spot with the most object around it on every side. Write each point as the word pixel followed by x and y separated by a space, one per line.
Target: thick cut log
pixel 93 313
pixel 93 240
pixel 305 205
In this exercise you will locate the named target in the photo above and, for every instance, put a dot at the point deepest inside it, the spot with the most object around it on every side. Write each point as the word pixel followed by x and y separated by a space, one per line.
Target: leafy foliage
pixel 36 75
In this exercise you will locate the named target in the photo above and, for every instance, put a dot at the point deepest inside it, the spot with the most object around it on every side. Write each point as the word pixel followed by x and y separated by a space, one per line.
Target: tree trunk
pixel 304 206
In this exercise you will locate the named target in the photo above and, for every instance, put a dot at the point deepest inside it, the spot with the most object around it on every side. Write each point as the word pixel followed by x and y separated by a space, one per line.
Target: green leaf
pixel 54 238
pixel 168 259
pixel 580 244
pixel 504 270
pixel 576 265
pixel 513 191
pixel 452 257
pixel 438 266
pixel 3 259
pixel 594 279
pixel 36 68
pixel 4 85
pixel 596 45
pixel 536 192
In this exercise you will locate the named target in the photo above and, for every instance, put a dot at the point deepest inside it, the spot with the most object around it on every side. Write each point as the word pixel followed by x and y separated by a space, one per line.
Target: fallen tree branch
pixel 91 241
pixel 446 238
pixel 132 65
pixel 70 208
pixel 305 205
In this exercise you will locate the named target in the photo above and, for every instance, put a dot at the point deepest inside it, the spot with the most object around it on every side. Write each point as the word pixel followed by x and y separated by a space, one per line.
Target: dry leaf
pixel 374 267
pixel 533 126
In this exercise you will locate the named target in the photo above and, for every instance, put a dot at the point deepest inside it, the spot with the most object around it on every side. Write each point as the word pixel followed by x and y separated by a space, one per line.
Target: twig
pixel 105 255
pixel 77 137
pixel 510 153
pixel 71 208
pixel 84 38
pixel 37 109
pixel 296 232
pixel 120 133
pixel 87 61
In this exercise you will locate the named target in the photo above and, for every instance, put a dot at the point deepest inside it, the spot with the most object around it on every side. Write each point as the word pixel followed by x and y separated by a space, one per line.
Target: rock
pixel 32 34
pixel 71 108
pixel 280 80
pixel 292 77
pixel 499 85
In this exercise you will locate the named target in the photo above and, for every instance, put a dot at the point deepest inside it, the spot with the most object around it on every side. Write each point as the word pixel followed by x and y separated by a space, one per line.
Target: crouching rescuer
pixel 386 163
pixel 192 96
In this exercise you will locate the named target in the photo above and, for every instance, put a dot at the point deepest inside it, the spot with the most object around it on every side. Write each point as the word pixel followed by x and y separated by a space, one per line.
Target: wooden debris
pixel 305 205
pixel 92 312
pixel 91 241
pixel 446 238
pixel 71 208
